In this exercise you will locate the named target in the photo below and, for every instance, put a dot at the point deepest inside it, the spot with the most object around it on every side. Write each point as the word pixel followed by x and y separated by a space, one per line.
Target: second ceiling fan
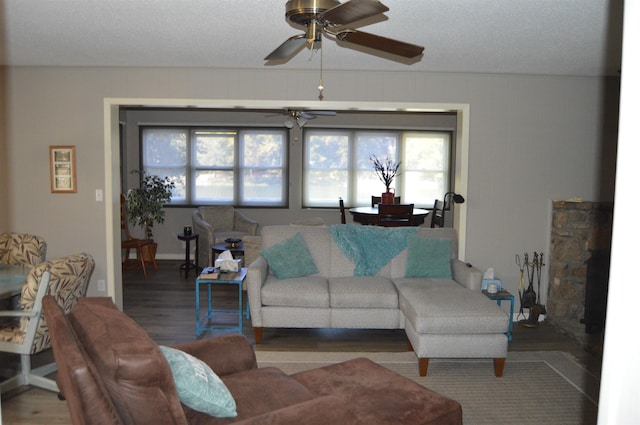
pixel 332 18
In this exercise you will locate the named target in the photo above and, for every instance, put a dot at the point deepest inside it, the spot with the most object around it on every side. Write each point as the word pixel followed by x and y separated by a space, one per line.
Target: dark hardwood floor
pixel 164 305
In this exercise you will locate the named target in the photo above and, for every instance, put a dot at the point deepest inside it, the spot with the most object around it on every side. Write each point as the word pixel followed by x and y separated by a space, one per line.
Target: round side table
pixel 188 264
pixel 218 248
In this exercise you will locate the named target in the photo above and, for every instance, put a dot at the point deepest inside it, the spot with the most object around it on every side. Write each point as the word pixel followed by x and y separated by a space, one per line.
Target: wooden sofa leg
pixel 498 366
pixel 423 365
pixel 409 346
pixel 257 333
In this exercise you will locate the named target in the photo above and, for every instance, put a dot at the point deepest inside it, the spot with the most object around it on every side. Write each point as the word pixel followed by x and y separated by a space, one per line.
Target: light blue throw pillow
pixel 198 386
pixel 428 257
pixel 290 258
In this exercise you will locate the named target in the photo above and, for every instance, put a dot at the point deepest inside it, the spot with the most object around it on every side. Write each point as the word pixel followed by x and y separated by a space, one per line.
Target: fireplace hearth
pixel 579 265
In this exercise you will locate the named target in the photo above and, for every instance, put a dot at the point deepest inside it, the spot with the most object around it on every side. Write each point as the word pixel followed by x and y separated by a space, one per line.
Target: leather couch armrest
pixel 466 275
pixel 318 411
pixel 224 354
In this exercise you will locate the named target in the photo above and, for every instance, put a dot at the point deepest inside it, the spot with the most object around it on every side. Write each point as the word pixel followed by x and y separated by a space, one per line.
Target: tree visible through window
pixel 337 165
pixel 243 167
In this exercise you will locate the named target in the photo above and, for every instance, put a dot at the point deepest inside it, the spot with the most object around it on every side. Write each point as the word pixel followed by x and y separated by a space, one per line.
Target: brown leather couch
pixel 111 372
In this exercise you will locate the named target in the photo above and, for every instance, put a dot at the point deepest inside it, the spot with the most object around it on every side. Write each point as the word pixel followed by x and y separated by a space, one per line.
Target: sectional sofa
pixel 369 277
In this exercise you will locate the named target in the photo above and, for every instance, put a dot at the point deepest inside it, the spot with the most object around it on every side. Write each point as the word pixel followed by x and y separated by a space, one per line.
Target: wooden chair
pixel 395 215
pixel 375 200
pixel 437 215
pixel 25 331
pixel 343 217
pixel 129 242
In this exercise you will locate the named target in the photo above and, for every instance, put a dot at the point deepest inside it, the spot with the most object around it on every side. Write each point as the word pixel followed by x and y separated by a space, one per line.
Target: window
pixel 243 167
pixel 337 164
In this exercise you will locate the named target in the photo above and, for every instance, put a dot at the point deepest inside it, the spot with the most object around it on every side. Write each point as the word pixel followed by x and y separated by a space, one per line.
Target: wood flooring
pixel 164 305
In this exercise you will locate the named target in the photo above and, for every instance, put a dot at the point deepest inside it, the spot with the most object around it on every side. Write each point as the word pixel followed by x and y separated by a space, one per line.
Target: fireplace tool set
pixel 528 297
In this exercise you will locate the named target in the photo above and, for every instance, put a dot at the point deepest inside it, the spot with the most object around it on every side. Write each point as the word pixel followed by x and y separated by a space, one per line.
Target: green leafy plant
pixel 145 204
pixel 385 170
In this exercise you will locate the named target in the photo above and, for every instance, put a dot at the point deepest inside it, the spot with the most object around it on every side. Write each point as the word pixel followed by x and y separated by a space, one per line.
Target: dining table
pixel 369 215
pixel 11 279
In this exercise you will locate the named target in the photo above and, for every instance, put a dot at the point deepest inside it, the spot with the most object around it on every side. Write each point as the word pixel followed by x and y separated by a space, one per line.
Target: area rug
pixel 546 387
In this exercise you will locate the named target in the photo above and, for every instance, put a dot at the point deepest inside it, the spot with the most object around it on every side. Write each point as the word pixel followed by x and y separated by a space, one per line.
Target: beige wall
pixel 532 139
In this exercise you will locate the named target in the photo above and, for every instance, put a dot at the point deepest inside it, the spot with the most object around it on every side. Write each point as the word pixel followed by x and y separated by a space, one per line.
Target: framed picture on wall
pixel 62 162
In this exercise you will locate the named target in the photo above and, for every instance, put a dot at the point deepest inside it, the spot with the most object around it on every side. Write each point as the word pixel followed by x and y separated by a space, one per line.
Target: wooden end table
pixel 188 264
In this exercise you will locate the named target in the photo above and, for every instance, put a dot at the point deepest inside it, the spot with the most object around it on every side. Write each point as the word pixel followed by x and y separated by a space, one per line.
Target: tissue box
pixel 228 265
pixel 486 282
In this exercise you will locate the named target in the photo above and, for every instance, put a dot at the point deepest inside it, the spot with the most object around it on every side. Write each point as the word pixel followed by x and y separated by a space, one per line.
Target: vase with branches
pixel 386 170
pixel 145 204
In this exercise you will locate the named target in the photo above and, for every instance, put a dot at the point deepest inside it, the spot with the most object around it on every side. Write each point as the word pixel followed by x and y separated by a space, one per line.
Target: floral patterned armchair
pixel 22 249
pixel 25 331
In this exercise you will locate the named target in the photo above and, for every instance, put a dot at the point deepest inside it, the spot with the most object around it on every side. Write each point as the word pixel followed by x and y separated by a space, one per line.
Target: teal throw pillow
pixel 198 386
pixel 290 258
pixel 428 257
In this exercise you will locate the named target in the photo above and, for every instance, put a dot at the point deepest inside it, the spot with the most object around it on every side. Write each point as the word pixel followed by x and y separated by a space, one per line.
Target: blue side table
pixel 498 297
pixel 223 279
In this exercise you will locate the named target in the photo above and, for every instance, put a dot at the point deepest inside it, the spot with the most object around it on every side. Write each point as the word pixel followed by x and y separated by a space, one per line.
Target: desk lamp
pixel 457 198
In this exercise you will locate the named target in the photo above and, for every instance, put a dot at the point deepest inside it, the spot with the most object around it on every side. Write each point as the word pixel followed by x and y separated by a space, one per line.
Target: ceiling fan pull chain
pixel 321 86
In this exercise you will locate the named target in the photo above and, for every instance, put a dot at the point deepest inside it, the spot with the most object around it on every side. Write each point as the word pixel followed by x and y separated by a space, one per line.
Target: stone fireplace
pixel 579 265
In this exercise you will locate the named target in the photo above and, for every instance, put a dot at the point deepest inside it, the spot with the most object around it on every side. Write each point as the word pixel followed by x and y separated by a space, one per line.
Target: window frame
pixel 353 170
pixel 238 168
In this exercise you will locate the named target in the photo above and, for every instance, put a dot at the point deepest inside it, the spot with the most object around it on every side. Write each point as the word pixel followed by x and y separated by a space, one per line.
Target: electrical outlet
pixel 102 286
pixel 99 195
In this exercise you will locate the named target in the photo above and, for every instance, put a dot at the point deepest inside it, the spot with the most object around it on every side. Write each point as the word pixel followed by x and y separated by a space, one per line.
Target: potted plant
pixel 145 204
pixel 386 171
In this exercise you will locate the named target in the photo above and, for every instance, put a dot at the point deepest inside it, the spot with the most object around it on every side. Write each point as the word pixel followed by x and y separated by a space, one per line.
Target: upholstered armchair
pixel 215 224
pixel 25 331
pixel 22 249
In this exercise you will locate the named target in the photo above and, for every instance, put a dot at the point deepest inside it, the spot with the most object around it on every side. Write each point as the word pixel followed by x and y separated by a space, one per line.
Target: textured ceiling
pixel 548 37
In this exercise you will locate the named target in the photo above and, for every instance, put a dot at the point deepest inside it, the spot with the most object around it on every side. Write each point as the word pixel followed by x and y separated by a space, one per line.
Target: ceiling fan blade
pixel 377 42
pixel 288 48
pixel 352 11
pixel 321 113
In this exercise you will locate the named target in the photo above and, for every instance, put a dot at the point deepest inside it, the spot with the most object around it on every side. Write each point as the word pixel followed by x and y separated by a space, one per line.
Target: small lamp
pixel 455 197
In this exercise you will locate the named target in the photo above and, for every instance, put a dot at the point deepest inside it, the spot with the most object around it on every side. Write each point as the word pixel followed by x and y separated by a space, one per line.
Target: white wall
pixel 531 139
pixel 618 403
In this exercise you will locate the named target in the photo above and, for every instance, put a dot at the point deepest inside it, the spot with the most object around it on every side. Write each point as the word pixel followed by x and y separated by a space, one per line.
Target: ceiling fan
pixel 332 18
pixel 301 117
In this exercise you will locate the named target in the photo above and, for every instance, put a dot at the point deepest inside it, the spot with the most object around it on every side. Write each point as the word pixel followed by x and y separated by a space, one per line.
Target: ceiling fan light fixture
pixel 288 122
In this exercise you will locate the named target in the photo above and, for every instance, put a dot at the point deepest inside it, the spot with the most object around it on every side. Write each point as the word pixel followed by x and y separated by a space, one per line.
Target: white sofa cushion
pixel 442 306
pixel 362 292
pixel 307 291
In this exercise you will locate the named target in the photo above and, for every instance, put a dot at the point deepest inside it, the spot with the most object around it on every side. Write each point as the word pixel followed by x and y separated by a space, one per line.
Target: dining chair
pixel 375 200
pixel 22 249
pixel 129 242
pixel 437 216
pixel 343 217
pixel 395 215
pixel 25 331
